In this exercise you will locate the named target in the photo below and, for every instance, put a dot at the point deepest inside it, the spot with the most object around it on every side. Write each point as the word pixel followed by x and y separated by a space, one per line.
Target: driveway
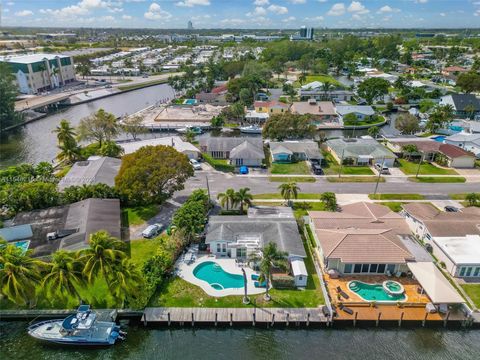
pixel 163 217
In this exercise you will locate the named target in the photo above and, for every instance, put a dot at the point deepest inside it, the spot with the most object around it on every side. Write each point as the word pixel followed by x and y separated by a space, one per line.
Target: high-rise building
pixel 306 33
pixel 189 25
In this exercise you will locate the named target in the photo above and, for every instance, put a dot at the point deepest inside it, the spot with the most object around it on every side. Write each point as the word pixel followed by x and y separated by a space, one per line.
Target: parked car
pixel 152 230
pixel 243 170
pixel 195 164
pixel 451 209
pixel 317 169
pixel 382 170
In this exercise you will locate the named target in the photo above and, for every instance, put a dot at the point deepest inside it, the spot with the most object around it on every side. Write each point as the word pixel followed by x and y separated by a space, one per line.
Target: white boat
pixel 195 129
pixel 252 129
pixel 79 329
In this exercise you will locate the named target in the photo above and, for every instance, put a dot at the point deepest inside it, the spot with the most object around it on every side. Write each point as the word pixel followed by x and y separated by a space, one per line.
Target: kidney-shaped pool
pixel 219 279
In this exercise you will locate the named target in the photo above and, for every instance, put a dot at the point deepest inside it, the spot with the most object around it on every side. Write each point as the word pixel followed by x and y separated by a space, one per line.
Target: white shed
pixel 299 272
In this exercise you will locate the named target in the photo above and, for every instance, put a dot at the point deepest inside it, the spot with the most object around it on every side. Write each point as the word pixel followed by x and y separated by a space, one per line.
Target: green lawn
pixel 138 215
pixel 473 291
pixel 292 179
pixel 373 121
pixel 431 179
pixel 301 208
pixel 319 77
pixel 142 250
pixel 394 206
pixel 361 179
pixel 299 168
pixel 396 197
pixel 301 196
pixel 331 167
pixel 410 168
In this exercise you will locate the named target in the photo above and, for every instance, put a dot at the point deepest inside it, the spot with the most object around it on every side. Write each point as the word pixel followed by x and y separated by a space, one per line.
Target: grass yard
pixel 473 292
pixel 331 167
pixel 298 168
pixel 296 179
pixel 142 250
pixel 431 179
pixel 361 179
pixel 396 197
pixel 410 168
pixel 394 206
pixel 301 196
pixel 132 216
pixel 320 77
pixel 300 209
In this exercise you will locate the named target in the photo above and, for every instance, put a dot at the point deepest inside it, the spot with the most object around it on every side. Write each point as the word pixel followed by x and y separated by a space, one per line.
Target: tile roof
pixel 453 151
pixel 317 108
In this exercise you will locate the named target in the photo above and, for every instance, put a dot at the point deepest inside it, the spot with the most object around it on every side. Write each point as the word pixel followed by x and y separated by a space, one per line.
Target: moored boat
pixel 252 129
pixel 79 329
pixel 195 129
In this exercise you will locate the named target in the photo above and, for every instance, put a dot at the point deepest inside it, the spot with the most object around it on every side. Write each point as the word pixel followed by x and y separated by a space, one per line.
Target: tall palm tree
pixel 244 197
pixel 269 258
pixel 227 199
pixel 289 190
pixel 19 275
pixel 65 132
pixel 126 280
pixel 329 200
pixel 64 275
pixel 326 88
pixel 69 149
pixel 190 136
pixel 103 255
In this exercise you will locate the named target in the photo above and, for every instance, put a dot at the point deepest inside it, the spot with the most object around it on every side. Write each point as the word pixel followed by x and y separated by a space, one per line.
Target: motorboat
pixel 79 329
pixel 195 129
pixel 252 129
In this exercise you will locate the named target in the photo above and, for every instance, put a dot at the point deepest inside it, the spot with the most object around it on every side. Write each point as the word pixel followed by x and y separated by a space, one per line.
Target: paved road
pixel 163 217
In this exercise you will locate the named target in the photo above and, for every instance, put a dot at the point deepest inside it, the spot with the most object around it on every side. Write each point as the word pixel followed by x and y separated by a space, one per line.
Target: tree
pixel 302 78
pixel 133 125
pixel 73 194
pixel 373 88
pixel 407 124
pixel 288 125
pixel 289 190
pixel 244 198
pixel 64 275
pixel 326 88
pixel 190 136
pixel 329 200
pixel 373 131
pixel 426 105
pixel 191 217
pixel 29 196
pixel 102 256
pixel 8 91
pixel 101 126
pixel 469 82
pixel 69 149
pixel 217 121
pixel 350 119
pixel 409 150
pixel 19 274
pixel 470 109
pixel 473 199
pixel 440 118
pixel 270 258
pixel 127 281
pixel 152 174
pixel 228 199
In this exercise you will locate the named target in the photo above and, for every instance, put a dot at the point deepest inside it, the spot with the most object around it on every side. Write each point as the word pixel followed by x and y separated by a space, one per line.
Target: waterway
pixel 255 343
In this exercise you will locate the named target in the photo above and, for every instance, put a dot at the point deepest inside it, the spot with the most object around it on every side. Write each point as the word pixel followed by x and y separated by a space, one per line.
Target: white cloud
pixel 115 10
pixel 232 21
pixel 108 18
pixel 322 1
pixel 126 17
pixel 297 1
pixel 337 9
pixel 155 12
pixel 314 19
pixel 289 19
pixel 357 8
pixel 192 3
pixel 277 9
pixel 261 2
pixel 81 8
pixel 387 9
pixel 24 13
pixel 259 11
pixel 10 3
pixel 443 14
pixel 421 1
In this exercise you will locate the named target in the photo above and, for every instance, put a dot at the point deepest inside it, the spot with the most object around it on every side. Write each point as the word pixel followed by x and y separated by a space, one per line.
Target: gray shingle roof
pixel 362 109
pixel 309 147
pixel 359 147
pixel 228 143
pixel 246 150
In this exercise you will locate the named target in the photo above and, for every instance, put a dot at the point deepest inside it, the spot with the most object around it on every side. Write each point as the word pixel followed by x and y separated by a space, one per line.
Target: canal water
pixel 251 344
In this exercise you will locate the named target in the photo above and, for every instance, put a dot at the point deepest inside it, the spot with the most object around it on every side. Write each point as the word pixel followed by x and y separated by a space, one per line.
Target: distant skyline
pixel 248 14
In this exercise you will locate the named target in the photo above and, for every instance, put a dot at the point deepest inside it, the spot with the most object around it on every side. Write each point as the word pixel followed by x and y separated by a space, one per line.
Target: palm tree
pixel 69 149
pixel 103 255
pixel 326 88
pixel 190 136
pixel 302 78
pixel 19 275
pixel 64 275
pixel 126 280
pixel 289 190
pixel 329 200
pixel 227 199
pixel 470 110
pixel 65 132
pixel 243 198
pixel 373 131
pixel 269 258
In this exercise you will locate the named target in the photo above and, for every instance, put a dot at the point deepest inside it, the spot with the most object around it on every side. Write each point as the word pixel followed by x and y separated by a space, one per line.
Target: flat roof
pixel 435 284
pixel 462 250
pixel 31 58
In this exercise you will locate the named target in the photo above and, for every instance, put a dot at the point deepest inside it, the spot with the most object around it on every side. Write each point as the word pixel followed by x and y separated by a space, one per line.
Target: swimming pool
pixel 219 279
pixel 190 101
pixel 23 245
pixel 374 292
pixel 439 138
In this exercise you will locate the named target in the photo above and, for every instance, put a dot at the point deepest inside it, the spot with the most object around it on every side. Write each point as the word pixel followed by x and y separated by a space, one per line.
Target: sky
pixel 249 14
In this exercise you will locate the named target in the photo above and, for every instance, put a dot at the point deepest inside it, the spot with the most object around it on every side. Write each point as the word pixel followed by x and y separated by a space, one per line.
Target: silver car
pixel 152 230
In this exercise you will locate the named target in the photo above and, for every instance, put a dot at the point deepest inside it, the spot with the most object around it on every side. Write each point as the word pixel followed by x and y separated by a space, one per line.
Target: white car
pixel 383 170
pixel 195 164
pixel 152 230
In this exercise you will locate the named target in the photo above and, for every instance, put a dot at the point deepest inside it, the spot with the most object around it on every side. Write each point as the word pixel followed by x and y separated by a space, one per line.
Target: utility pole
pixel 208 188
pixel 341 163
pixel 378 178
pixel 422 158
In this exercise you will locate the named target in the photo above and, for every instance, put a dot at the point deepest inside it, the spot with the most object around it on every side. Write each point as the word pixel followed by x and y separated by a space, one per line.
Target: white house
pixel 468 142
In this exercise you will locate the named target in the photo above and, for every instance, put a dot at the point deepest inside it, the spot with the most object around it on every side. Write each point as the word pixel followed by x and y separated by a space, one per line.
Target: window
pixel 365 268
pixel 373 268
pixel 381 268
pixel 469 271
pixel 357 269
pixel 224 247
pixel 462 271
pixel 347 268
pixel 218 247
pixel 300 278
pixel 391 268
pixel 477 270
pixel 241 252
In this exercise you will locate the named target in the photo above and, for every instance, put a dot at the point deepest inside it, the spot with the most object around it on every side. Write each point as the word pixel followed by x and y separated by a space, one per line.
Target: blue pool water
pixel 439 138
pixel 373 292
pixel 218 278
pixel 24 244
pixel 456 128
pixel 190 102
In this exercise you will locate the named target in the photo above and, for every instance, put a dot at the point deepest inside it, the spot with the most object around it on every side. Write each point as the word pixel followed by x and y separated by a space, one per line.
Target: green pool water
pixel 218 278
pixel 373 292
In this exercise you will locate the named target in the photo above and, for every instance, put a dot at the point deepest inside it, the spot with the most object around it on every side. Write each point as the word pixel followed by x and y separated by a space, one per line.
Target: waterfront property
pixel 69 227
pixel 187 114
pixel 270 107
pixel 240 151
pixel 464 105
pixel 36 73
pixel 292 151
pixel 321 112
pixel 454 237
pixel 360 152
pixel 360 111
pixel 184 147
pixel 95 170
pixel 468 142
pixel 315 90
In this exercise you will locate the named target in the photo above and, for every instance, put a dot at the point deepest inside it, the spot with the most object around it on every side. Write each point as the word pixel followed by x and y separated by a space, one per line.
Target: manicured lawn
pixel 394 206
pixel 410 168
pixel 301 196
pixel 431 179
pixel 361 179
pixel 457 196
pixel 320 77
pixel 331 167
pixel 138 215
pixel 396 197
pixel 292 179
pixel 374 121
pixel 301 208
pixel 299 168
pixel 473 291
pixel 142 250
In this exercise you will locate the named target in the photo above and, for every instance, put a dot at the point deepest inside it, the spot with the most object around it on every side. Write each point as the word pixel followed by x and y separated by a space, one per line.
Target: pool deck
pixel 185 271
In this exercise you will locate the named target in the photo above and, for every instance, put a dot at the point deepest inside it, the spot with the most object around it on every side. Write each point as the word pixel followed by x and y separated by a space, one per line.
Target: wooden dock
pixel 232 316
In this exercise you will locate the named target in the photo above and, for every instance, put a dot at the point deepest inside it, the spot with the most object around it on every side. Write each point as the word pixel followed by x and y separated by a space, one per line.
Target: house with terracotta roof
pixel 453 70
pixel 454 237
pixel 364 239
pixel 319 111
